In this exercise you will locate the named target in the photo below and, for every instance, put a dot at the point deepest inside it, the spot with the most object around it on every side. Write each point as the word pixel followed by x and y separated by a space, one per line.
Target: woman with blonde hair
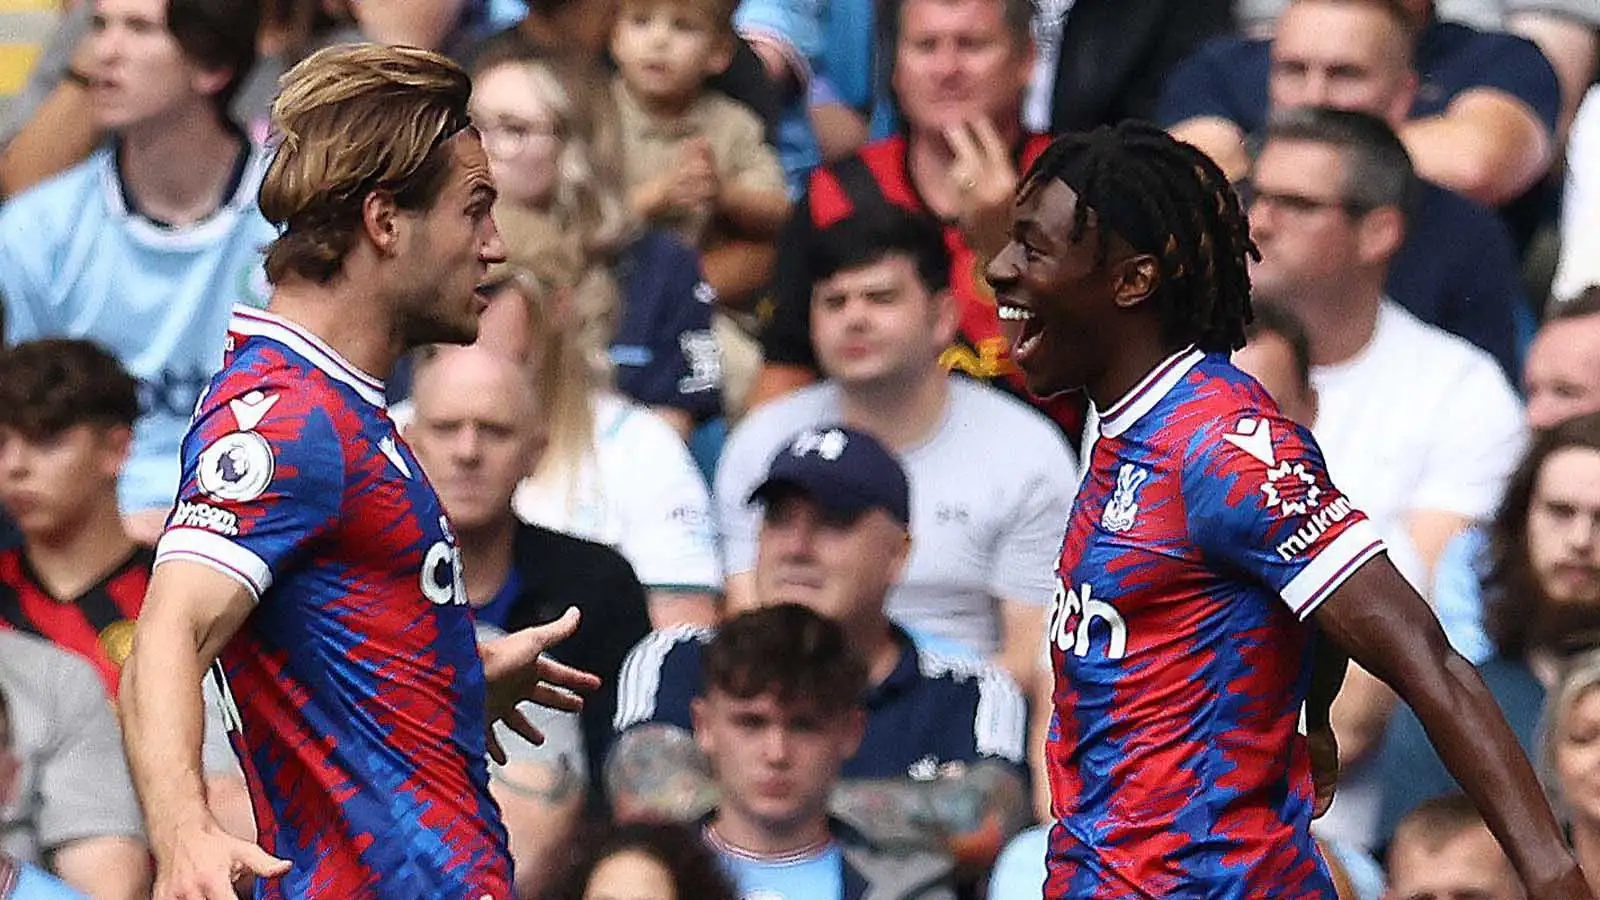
pixel 1569 756
pixel 609 469
pixel 549 127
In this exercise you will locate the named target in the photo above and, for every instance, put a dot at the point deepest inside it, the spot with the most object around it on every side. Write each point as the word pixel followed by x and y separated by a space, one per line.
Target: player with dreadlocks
pixel 1208 559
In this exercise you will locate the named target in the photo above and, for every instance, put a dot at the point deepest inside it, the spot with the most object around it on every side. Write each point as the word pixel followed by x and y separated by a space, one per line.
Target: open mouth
pixel 1022 327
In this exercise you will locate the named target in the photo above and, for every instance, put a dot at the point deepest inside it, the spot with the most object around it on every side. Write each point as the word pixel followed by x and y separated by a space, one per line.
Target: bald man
pixel 475 432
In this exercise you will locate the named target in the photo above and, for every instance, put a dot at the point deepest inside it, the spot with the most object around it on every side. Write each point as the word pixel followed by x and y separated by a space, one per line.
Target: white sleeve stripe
pixel 1330 567
pixel 220 553
pixel 640 679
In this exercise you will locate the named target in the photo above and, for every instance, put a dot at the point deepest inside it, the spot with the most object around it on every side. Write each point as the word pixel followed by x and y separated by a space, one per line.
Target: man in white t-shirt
pixel 1420 427
pixel 984 537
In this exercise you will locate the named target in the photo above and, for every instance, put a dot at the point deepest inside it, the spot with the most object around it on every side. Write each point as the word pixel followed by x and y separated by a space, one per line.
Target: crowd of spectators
pixel 741 396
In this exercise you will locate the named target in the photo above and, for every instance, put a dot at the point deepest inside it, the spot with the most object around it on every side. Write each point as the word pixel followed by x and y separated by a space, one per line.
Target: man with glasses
pixel 1419 427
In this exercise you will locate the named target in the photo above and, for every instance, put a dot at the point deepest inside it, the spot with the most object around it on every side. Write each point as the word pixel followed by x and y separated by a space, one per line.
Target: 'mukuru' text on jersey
pixel 1206 531
pixel 356 680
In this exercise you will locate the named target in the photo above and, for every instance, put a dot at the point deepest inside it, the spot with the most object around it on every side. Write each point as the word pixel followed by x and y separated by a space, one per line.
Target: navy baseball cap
pixel 841 469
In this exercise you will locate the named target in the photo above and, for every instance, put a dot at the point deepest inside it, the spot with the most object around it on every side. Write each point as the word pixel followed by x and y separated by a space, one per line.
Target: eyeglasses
pixel 512 136
pixel 1296 204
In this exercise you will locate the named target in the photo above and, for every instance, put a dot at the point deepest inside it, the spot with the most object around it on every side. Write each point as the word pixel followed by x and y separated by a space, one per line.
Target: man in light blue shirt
pixel 145 246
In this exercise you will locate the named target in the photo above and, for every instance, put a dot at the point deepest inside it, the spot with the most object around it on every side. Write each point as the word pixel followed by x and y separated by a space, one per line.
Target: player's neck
pixel 73 561
pixel 1137 355
pixel 902 415
pixel 347 316
pixel 486 558
pixel 1340 322
pixel 747 837
pixel 182 194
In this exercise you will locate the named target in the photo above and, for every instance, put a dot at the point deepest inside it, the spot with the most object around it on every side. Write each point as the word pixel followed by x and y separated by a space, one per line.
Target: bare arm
pixel 540 804
pixel 106 868
pixel 1571 46
pixel 970 814
pixel 754 212
pixel 1219 139
pixel 1486 144
pixel 656 773
pixel 840 130
pixel 191 612
pixel 1383 624
pixel 61 134
pixel 1021 636
pixel 739 270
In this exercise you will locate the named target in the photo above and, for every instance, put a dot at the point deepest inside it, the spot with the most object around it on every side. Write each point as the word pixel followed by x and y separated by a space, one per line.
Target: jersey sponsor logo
pixel 250 409
pixel 441 571
pixel 206 517
pixel 1123 508
pixel 1306 535
pixel 237 467
pixel 1073 615
pixel 1254 436
pixel 1291 489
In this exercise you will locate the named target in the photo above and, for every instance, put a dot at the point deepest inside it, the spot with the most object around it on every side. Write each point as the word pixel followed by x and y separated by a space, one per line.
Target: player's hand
pixel 517 670
pixel 985 181
pixel 1324 749
pixel 203 861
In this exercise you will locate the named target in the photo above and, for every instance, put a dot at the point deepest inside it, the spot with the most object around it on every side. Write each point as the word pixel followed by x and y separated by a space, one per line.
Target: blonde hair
pixel 588 217
pixel 1579 677
pixel 570 328
pixel 352 120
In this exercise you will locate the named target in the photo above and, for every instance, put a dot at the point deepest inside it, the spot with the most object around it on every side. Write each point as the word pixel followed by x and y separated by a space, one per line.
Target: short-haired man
pixel 779 716
pixel 1457 267
pixel 475 429
pixel 882 317
pixel 67 412
pixel 144 246
pixel 1485 127
pixel 1442 850
pixel 72 808
pixel 1562 375
pixel 941 760
pixel 1420 428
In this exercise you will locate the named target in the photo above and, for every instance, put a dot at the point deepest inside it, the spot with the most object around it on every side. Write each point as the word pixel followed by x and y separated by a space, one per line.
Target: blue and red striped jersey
pixel 1205 533
pixel 356 680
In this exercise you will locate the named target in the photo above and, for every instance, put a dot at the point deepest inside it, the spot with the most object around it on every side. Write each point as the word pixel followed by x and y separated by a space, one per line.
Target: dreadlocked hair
pixel 1179 197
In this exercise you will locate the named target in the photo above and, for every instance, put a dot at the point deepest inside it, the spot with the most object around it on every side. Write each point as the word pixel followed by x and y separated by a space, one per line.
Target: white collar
pixel 1120 416
pixel 260 323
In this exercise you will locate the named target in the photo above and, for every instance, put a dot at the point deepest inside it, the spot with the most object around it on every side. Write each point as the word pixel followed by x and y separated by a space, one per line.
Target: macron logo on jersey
pixel 250 409
pixel 1254 436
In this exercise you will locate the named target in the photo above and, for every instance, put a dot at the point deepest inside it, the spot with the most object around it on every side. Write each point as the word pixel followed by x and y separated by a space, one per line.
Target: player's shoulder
pixel 1223 417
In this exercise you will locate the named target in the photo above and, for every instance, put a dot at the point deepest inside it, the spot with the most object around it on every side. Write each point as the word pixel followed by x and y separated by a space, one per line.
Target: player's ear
pixel 380 220
pixel 1136 278
pixel 117 444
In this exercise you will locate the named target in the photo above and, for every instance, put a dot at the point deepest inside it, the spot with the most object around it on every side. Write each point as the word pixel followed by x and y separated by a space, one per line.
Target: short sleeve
pixel 1516 65
pixel 84 787
pixel 1226 78
pixel 660 678
pixel 1260 502
pixel 786 327
pixel 263 477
